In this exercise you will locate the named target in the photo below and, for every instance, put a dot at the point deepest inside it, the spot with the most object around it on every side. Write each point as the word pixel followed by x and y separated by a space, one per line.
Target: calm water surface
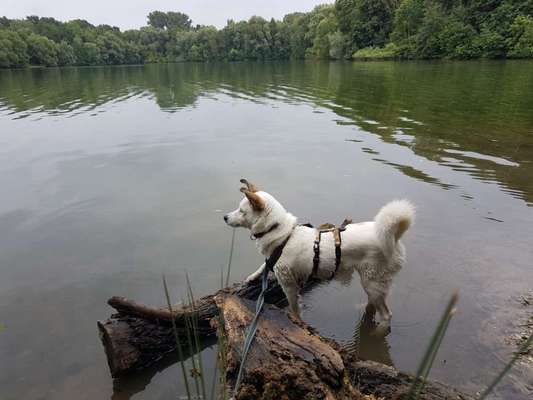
pixel 111 176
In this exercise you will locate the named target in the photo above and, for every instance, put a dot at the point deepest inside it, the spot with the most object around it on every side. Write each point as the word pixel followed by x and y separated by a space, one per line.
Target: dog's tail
pixel 392 221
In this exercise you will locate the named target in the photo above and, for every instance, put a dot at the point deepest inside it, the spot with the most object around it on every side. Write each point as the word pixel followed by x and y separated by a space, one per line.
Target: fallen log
pixel 290 361
pixel 286 360
pixel 138 336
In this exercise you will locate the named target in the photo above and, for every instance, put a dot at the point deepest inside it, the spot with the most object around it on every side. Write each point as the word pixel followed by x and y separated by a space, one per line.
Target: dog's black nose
pixel 225 218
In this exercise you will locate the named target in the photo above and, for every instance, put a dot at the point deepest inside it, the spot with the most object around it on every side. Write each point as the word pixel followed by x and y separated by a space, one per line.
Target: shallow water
pixel 112 176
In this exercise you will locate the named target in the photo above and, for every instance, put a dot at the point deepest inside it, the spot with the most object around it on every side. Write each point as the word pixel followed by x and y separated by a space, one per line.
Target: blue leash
pixel 252 329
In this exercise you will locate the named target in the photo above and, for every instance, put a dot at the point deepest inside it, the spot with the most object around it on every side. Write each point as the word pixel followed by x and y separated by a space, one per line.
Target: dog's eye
pixel 242 212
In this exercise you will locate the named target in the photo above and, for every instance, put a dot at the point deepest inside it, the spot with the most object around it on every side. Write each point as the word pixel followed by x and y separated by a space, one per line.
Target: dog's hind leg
pixel 371 306
pixel 370 312
pixel 383 329
pixel 377 292
pixel 383 310
pixel 257 274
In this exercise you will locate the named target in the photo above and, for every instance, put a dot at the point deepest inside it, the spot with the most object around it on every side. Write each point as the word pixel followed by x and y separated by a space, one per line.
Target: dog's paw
pixel 297 319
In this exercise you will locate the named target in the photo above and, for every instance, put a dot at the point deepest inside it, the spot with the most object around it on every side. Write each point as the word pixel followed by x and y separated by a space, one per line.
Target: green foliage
pixel 86 53
pixel 388 52
pixel 322 26
pixel 169 20
pixel 337 44
pixel 365 22
pixel 13 50
pixel 42 50
pixel 65 54
pixel 407 20
pixel 112 49
pixel 349 28
pixel 460 29
pixel 521 40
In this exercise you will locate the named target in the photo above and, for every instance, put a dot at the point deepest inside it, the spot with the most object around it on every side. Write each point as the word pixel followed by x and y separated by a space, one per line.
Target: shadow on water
pixel 125 387
pixel 473 118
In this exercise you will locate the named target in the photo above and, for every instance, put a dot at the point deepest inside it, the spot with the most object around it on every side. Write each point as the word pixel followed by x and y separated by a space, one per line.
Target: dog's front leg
pixel 292 292
pixel 257 274
pixel 293 295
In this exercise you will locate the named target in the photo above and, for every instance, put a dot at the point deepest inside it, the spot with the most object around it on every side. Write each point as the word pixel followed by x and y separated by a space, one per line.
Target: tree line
pixel 347 29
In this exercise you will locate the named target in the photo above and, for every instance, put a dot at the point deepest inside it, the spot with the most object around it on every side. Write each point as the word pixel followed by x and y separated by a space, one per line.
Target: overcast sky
pixel 128 14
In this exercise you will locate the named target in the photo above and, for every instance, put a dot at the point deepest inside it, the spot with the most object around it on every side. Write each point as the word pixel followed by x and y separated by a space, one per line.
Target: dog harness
pixel 324 228
pixel 336 231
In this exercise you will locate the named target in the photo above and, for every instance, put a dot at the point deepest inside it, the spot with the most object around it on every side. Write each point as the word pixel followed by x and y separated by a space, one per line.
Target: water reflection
pixel 480 113
pixel 126 387
pixel 369 344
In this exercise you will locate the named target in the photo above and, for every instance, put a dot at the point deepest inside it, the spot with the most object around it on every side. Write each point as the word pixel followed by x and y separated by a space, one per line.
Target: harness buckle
pixel 336 231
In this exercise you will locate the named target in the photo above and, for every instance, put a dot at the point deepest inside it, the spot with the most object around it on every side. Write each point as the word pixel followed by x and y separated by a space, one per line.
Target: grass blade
pixel 178 344
pixel 194 372
pixel 230 256
pixel 431 352
pixel 195 335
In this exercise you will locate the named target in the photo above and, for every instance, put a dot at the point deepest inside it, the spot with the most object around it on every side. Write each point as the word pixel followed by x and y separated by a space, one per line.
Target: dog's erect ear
pixel 249 186
pixel 256 202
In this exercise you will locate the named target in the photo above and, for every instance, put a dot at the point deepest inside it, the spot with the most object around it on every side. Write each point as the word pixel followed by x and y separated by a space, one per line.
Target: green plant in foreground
pixel 230 259
pixel 178 343
pixel 218 388
pixel 193 326
pixel 431 352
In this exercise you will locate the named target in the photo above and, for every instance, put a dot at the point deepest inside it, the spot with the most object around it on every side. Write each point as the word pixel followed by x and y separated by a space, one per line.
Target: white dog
pixel 371 248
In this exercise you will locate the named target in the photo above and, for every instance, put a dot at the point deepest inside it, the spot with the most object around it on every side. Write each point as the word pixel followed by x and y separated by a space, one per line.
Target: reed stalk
pixel 431 352
pixel 195 334
pixel 230 259
pixel 194 371
pixel 178 343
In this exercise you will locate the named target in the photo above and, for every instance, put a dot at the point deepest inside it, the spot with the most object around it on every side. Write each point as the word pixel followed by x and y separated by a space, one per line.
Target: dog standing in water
pixel 371 248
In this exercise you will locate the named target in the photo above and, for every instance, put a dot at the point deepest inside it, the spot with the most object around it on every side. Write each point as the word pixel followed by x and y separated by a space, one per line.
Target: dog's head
pixel 257 211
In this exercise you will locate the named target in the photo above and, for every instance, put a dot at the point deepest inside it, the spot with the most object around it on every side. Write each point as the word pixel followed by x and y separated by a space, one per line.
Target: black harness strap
pixel 274 257
pixel 338 242
pixel 316 250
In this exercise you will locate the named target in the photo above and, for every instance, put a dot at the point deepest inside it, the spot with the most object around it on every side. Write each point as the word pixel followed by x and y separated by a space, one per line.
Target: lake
pixel 112 176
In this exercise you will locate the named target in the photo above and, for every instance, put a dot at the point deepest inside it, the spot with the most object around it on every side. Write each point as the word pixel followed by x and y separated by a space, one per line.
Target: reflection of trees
pixel 474 107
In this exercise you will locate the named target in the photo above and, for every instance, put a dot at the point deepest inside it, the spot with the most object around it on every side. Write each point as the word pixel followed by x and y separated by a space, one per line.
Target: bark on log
pixel 138 336
pixel 285 361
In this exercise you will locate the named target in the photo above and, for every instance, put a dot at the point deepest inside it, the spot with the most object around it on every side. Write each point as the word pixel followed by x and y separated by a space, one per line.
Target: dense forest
pixel 347 29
